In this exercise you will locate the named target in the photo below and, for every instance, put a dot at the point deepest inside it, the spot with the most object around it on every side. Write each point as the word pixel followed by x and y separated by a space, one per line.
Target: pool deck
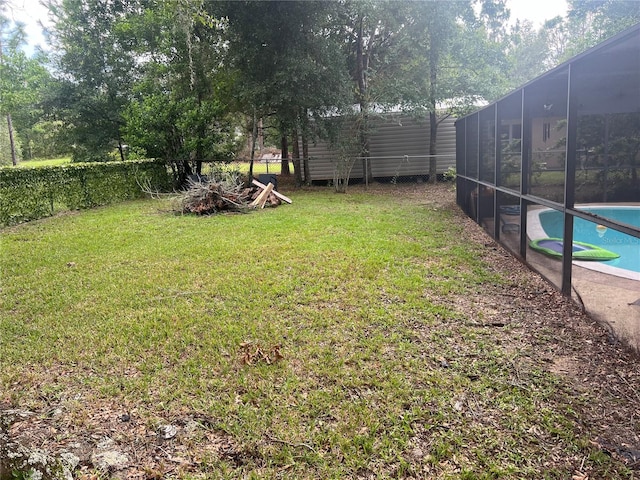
pixel 611 300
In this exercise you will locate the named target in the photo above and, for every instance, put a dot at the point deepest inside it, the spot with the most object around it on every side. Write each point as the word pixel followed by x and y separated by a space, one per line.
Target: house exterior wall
pixel 548 137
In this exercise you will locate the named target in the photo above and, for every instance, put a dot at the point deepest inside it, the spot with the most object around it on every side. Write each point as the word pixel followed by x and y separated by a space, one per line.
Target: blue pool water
pixel 626 246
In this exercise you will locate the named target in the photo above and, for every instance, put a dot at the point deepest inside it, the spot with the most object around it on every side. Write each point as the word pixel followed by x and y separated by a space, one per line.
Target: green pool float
pixel 581 251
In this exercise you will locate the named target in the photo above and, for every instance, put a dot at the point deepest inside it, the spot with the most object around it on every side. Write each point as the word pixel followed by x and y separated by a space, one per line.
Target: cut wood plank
pixel 262 198
pixel 265 199
pixel 277 194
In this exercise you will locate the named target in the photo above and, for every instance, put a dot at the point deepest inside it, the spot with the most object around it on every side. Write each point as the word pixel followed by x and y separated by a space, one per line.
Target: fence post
pixel 366 172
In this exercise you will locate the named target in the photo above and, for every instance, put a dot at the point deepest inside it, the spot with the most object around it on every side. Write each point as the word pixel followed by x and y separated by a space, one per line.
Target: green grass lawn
pixel 45 162
pixel 258 167
pixel 168 317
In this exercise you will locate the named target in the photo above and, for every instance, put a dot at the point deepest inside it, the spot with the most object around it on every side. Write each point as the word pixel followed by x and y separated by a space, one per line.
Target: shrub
pixel 32 193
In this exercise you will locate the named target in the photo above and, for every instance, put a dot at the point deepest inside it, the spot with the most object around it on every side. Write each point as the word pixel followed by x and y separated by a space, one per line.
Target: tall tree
pixel 375 39
pixel 287 61
pixel 455 61
pixel 588 22
pixel 95 69
pixel 598 20
pixel 527 52
pixel 23 81
pixel 11 36
pixel 181 103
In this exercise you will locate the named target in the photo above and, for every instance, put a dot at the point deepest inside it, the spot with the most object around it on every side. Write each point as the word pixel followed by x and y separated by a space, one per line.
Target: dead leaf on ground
pixel 253 353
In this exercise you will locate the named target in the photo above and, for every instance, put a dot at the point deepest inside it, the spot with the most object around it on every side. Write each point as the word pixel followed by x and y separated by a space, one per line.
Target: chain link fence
pixel 333 170
pixel 392 169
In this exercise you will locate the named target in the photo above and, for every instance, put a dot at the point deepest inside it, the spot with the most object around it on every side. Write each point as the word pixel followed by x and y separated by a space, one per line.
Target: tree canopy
pixel 182 79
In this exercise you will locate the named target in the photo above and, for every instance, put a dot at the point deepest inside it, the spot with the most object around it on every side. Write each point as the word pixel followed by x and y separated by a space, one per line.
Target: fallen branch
pixel 295 445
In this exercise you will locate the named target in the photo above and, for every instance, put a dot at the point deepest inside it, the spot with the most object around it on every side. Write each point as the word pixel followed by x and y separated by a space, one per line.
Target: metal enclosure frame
pixel 592 102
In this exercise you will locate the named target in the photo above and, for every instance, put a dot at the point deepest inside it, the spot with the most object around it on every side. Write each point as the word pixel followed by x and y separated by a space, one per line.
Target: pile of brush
pixel 207 196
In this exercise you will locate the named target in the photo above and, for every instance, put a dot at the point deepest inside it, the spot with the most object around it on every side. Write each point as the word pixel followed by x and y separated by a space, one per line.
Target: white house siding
pixel 399 146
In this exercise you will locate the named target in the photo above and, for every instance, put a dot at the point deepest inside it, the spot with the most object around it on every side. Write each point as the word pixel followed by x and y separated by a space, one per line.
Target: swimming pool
pixel 547 222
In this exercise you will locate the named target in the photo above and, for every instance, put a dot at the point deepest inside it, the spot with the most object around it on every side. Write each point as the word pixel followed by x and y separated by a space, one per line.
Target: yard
pixel 377 334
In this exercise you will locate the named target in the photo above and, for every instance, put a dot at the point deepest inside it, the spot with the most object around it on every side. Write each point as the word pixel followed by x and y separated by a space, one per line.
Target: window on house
pixel 546 131
pixel 516 131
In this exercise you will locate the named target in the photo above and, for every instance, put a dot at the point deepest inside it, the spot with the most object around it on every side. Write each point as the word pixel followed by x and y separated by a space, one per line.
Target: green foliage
pixel 226 173
pixel 289 61
pixel 289 65
pixel 96 71
pixel 174 77
pixel 23 81
pixel 611 145
pixel 527 51
pixel 586 24
pixel 32 193
pixel 162 126
pixel 46 139
pixel 456 57
pixel 179 108
pixel 47 162
pixel 450 175
pixel 589 22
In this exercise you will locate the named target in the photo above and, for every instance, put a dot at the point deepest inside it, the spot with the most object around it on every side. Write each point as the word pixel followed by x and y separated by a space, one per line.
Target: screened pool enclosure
pixel 567 143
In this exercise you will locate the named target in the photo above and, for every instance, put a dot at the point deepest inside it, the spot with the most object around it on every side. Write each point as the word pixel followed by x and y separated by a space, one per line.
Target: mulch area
pixel 602 375
pixel 601 372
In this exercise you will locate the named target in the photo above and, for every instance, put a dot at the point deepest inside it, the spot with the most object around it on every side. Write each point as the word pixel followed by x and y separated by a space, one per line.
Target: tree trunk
pixel 433 116
pixel 364 144
pixel 14 157
pixel 305 148
pixel 362 65
pixel 284 163
pixel 184 174
pixel 296 158
pixel 202 132
pixel 254 138
pixel 305 159
pixel 121 149
pixel 433 160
